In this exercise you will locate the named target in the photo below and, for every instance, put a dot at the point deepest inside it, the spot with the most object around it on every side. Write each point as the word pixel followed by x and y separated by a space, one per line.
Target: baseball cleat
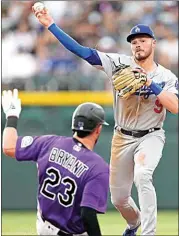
pixel 131 232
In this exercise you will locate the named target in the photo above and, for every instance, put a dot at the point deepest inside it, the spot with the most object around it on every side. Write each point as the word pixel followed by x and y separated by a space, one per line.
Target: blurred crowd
pixel 32 58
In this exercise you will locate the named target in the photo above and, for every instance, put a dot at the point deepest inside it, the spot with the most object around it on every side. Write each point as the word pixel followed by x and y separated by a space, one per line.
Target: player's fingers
pixel 4 97
pixel 19 102
pixel 33 10
pixel 38 15
pixel 42 11
pixel 45 10
pixel 2 100
pixel 4 93
pixel 36 12
pixel 9 94
pixel 15 94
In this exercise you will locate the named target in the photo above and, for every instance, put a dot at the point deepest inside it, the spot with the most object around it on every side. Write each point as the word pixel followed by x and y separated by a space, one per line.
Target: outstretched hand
pixel 11 103
pixel 43 16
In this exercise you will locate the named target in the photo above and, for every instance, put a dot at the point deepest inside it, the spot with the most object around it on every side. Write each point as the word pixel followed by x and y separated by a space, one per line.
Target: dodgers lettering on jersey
pixel 142 110
pixel 70 176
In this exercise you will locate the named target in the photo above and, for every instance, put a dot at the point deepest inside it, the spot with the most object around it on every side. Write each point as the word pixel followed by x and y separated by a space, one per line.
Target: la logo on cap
pixel 137 29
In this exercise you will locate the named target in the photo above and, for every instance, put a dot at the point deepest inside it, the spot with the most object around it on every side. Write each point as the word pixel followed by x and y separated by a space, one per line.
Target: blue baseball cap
pixel 140 29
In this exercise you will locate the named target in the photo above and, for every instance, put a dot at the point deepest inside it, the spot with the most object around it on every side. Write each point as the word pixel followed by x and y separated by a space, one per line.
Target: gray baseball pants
pixel 134 160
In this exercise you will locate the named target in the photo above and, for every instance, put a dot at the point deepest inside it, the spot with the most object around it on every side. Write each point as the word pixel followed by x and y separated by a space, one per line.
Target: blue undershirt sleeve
pixel 86 53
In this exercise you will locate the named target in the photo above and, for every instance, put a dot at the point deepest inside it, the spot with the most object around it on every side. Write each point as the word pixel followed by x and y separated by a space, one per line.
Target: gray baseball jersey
pixel 135 159
pixel 142 110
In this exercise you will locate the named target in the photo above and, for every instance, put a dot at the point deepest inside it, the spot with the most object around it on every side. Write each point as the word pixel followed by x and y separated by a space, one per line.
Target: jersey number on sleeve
pixel 158 106
pixel 66 199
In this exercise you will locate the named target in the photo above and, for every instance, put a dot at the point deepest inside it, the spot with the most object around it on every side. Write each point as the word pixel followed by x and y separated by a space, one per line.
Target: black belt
pixel 138 133
pixel 60 232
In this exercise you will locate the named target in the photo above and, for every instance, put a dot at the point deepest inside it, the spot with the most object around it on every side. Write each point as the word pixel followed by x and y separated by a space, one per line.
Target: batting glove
pixel 11 104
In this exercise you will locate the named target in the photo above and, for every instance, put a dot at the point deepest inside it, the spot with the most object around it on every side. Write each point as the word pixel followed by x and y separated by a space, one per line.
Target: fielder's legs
pixel 121 177
pixel 147 156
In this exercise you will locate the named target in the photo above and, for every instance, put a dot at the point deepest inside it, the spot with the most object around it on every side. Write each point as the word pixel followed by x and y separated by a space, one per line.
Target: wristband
pixel 12 122
pixel 156 88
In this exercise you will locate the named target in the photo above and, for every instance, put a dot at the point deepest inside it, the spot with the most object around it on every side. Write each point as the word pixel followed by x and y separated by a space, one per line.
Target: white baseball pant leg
pixel 122 176
pixel 146 158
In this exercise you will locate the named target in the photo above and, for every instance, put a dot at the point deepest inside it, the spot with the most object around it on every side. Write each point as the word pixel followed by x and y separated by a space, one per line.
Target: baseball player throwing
pixel 73 180
pixel 143 91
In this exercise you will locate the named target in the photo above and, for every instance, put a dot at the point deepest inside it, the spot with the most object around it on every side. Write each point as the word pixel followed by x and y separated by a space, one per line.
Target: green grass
pixel 23 223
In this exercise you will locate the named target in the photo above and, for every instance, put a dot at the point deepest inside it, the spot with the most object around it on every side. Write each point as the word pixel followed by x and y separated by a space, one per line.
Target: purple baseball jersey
pixel 70 176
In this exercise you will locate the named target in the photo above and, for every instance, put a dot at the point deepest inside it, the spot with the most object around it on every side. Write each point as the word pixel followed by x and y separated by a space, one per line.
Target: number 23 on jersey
pixel 66 199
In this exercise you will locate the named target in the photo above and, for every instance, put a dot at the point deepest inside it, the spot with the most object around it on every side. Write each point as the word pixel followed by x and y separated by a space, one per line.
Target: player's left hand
pixel 11 104
pixel 127 81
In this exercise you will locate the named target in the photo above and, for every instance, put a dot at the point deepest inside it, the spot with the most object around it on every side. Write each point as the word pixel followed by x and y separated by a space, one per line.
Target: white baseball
pixel 39 6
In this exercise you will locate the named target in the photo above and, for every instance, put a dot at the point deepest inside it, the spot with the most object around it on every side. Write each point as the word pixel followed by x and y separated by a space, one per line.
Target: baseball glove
pixel 127 80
